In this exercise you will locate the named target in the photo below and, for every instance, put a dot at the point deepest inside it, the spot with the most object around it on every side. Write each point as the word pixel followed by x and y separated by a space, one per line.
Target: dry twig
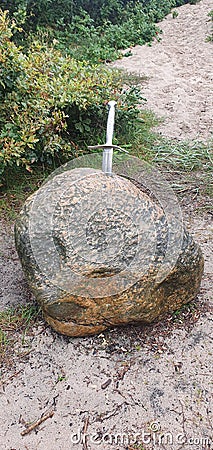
pixel 37 423
pixel 86 423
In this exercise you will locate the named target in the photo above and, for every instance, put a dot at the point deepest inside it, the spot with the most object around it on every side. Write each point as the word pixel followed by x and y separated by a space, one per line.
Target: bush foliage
pixel 52 105
pixel 56 13
pixel 90 30
pixel 53 89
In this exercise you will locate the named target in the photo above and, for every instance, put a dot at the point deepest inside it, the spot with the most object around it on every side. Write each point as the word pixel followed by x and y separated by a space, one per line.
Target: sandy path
pixel 158 382
pixel 180 73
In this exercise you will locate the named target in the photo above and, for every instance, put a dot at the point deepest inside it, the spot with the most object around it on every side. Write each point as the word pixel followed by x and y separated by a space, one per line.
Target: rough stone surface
pixel 95 253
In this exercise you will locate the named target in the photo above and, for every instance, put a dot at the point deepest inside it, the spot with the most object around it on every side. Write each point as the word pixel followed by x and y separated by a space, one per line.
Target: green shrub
pixel 52 106
pixel 60 13
pixel 52 102
pixel 90 30
pixel 210 37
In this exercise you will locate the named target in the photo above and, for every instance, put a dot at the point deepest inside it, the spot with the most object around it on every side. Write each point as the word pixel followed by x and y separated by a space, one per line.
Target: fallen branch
pixel 37 423
pixel 86 423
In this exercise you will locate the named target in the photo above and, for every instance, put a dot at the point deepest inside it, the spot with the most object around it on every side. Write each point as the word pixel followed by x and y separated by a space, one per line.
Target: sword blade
pixel 108 152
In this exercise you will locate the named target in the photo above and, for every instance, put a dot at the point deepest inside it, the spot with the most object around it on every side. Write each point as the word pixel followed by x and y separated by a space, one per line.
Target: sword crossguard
pixel 107 146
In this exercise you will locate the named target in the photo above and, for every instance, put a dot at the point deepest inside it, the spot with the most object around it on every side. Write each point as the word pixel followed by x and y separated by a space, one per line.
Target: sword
pixel 108 147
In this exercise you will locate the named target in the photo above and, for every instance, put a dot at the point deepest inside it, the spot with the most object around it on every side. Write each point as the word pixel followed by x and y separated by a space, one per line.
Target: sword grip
pixel 107 161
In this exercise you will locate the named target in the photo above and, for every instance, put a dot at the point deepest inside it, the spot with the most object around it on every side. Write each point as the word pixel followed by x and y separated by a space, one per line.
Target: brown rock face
pixel 101 251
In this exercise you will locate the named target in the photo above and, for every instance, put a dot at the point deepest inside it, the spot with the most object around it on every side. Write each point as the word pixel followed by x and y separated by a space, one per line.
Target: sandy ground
pixel 151 383
pixel 180 73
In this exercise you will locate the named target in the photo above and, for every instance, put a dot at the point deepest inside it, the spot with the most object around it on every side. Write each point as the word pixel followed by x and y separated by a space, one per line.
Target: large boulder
pixel 100 251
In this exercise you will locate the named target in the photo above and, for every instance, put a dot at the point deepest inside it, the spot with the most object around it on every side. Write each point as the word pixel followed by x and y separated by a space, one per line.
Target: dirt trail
pixel 180 73
pixel 141 382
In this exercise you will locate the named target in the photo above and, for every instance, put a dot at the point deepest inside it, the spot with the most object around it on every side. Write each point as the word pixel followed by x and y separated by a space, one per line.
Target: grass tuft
pixel 15 323
pixel 19 184
pixel 183 155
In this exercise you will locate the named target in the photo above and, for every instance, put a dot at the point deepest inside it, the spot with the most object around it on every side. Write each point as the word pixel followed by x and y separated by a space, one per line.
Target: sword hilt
pixel 108 147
